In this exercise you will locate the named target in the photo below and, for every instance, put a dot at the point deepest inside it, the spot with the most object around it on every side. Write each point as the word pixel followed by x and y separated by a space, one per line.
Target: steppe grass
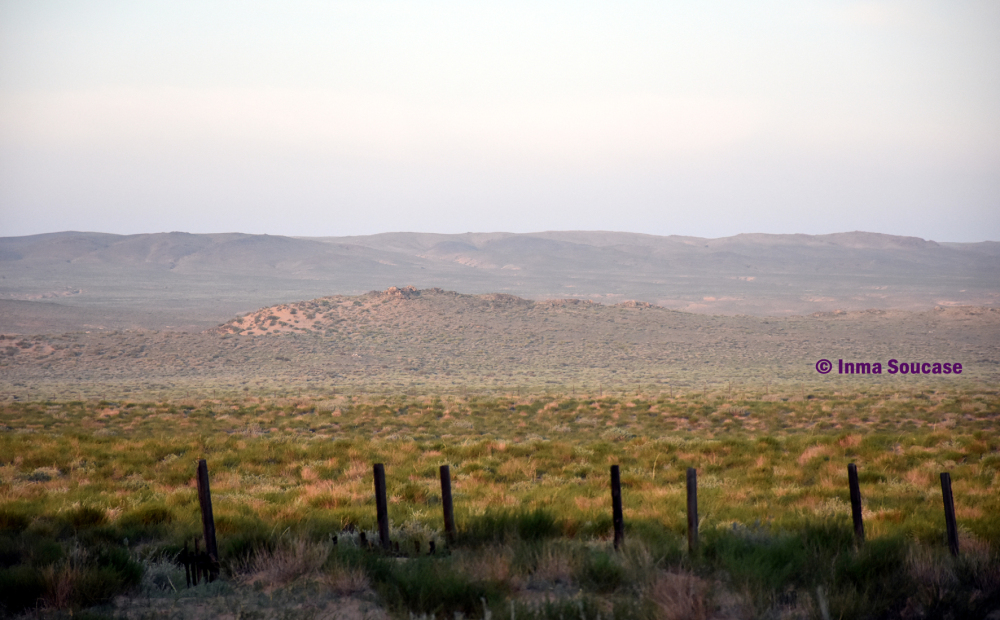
pixel 94 494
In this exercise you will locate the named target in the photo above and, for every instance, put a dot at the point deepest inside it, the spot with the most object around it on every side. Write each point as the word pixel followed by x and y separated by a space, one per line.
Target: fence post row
pixel 859 524
pixel 949 513
pixel 207 520
pixel 205 498
pixel 380 506
pixel 692 509
pixel 616 506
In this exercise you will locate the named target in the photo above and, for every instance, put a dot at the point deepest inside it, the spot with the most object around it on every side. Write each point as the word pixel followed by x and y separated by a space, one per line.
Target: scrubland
pixel 97 498
pixel 530 404
pixel 440 342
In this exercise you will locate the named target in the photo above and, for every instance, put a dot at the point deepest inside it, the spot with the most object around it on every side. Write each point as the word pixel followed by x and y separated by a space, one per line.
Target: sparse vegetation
pixel 98 498
pixel 529 403
pixel 439 342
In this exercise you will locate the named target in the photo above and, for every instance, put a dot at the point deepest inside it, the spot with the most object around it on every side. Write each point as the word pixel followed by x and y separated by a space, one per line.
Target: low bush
pixel 85 517
pixel 601 571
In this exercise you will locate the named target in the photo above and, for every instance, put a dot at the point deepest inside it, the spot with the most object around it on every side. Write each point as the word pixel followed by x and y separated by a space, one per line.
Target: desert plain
pixel 529 364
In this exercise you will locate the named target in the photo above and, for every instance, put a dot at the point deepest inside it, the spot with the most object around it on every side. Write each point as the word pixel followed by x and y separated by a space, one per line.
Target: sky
pixel 347 118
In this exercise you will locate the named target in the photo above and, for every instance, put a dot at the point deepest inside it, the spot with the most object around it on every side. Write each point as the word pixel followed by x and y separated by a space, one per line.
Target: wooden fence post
pixel 449 513
pixel 949 513
pixel 692 506
pixel 616 506
pixel 381 506
pixel 207 520
pixel 859 524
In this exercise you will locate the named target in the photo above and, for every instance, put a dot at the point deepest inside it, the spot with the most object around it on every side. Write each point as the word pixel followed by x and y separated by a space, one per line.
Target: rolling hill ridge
pixel 190 282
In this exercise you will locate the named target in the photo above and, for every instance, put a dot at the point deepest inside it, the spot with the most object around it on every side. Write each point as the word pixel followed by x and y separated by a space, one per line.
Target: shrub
pixel 679 596
pixel 86 517
pixel 145 522
pixel 14 520
pixel 757 558
pixel 601 572
pixel 98 584
pixel 427 585
pixel 497 525
pixel 872 581
pixel 243 545
pixel 289 560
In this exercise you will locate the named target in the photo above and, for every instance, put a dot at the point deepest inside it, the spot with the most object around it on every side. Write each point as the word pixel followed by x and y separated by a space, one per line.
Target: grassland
pixel 529 403
pixel 98 496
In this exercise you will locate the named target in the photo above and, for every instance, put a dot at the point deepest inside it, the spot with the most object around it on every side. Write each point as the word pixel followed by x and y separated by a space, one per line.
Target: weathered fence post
pixel 381 507
pixel 949 512
pixel 207 520
pixel 449 513
pixel 692 506
pixel 616 506
pixel 859 524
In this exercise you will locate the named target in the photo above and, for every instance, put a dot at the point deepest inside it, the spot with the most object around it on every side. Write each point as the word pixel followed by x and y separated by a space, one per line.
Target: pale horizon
pixel 315 119
pixel 491 232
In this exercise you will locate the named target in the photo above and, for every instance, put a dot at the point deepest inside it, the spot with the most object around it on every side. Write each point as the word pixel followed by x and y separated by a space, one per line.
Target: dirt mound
pixel 393 306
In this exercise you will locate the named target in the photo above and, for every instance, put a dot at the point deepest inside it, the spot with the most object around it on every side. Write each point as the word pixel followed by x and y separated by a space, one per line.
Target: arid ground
pixel 434 341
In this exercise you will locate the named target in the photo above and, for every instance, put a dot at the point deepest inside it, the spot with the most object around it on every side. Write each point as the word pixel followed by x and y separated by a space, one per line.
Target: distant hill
pixel 406 307
pixel 184 281
pixel 433 340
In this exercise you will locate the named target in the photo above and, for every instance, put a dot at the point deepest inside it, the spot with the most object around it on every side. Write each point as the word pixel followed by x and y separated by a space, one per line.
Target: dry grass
pixel 60 584
pixel 555 564
pixel 346 581
pixel 493 563
pixel 812 452
pixel 309 475
pixel 679 596
pixel 292 560
pixel 935 574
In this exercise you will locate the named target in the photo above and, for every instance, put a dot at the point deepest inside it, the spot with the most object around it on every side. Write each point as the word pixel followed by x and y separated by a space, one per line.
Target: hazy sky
pixel 704 118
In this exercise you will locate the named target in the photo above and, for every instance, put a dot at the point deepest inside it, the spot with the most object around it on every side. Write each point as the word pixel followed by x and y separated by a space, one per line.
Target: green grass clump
pixel 601 572
pixel 501 525
pixel 431 586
